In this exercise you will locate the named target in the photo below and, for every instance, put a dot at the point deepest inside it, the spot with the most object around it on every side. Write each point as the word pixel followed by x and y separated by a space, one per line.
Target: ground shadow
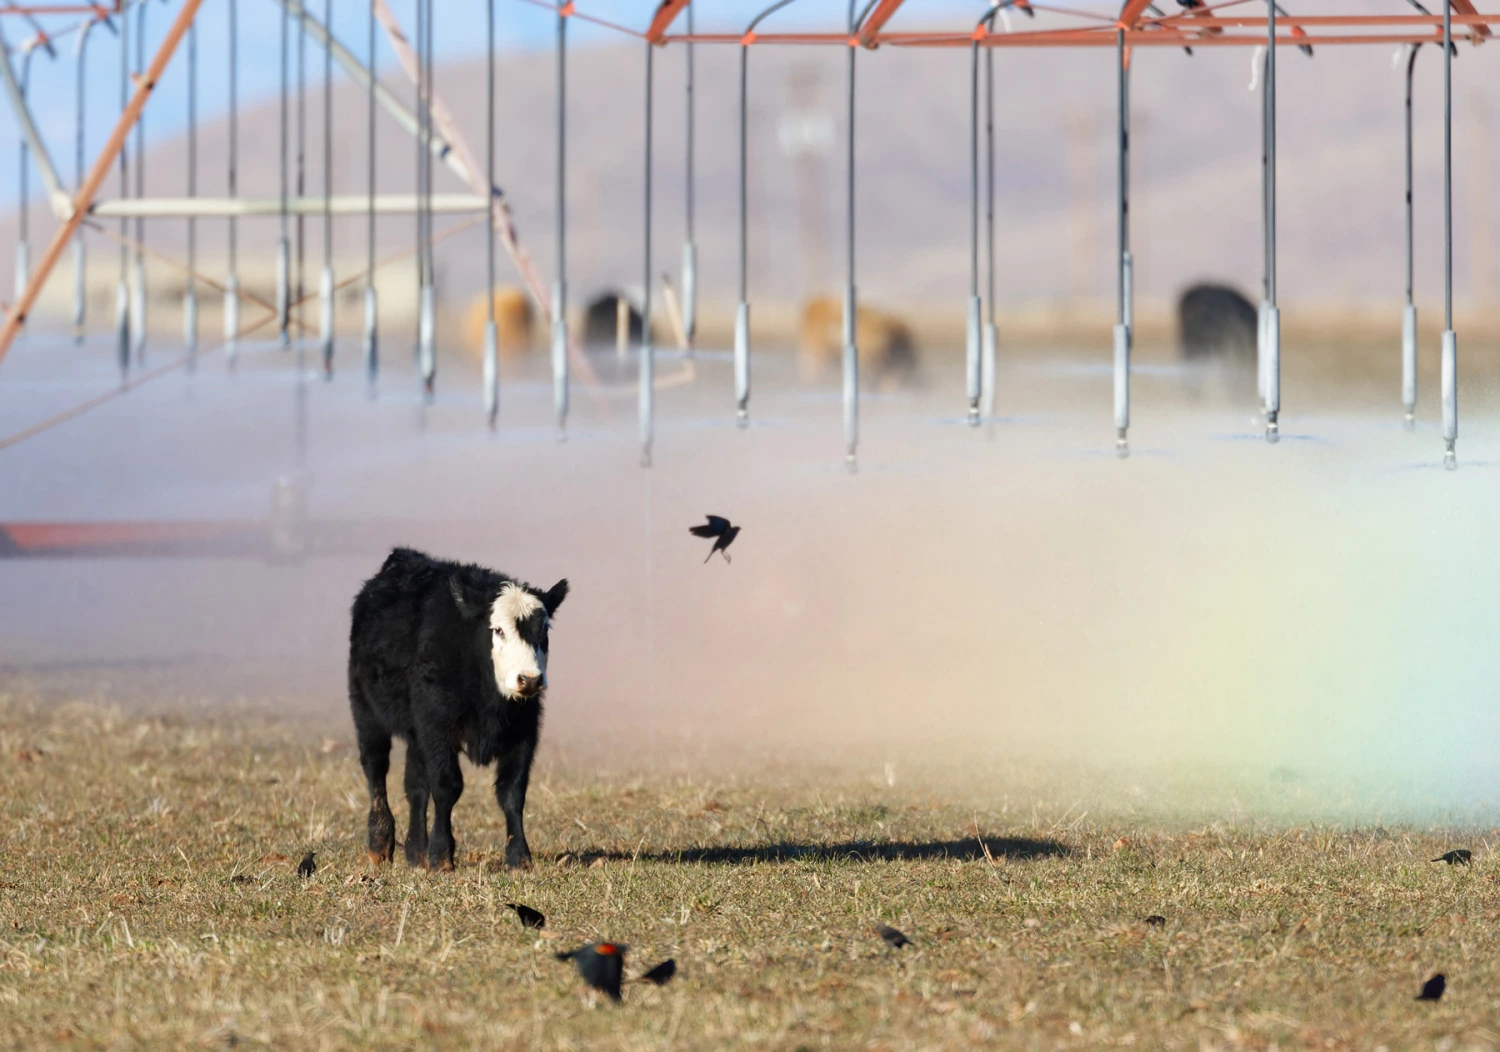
pixel 968 850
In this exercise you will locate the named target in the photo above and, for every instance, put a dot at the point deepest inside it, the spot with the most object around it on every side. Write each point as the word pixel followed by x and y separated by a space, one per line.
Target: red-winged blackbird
pixel 1432 989
pixel 1156 920
pixel 719 527
pixel 661 974
pixel 1461 856
pixel 893 938
pixel 307 867
pixel 600 964
pixel 529 917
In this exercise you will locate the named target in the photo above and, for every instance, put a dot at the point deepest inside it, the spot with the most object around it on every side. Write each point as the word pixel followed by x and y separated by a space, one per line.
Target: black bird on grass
pixel 1460 856
pixel 893 938
pixel 717 526
pixel 307 867
pixel 1432 989
pixel 661 974
pixel 600 964
pixel 1156 920
pixel 529 917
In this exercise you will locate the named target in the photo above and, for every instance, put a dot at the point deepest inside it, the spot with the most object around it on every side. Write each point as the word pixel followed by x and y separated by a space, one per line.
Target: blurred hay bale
pixel 515 323
pixel 887 349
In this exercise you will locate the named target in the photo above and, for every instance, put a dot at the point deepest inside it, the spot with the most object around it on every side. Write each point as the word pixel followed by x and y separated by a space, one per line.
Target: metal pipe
pixel 560 287
pixel 427 304
pixel 138 274
pixel 430 225
pixel 1450 338
pixel 988 337
pixel 23 246
pixel 232 281
pixel 973 323
pixel 689 246
pixel 190 297
pixel 1409 311
pixel 325 281
pixel 491 336
pixel 283 244
pixel 371 348
pixel 648 355
pixel 339 204
pixel 991 336
pixel 80 251
pixel 1273 313
pixel 122 287
pixel 1122 334
pixel 851 302
pixel 1264 313
pixel 742 308
pixel 299 296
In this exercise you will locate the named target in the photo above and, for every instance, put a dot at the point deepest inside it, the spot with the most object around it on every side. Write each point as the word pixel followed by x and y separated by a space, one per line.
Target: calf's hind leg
pixel 447 783
pixel 375 758
pixel 416 796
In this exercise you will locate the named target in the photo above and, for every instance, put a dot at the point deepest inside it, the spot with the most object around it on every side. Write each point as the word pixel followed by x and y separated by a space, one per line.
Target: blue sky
pixel 460 33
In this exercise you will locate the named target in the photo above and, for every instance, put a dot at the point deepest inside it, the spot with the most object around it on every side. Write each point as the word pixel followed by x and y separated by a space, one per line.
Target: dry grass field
pixel 148 898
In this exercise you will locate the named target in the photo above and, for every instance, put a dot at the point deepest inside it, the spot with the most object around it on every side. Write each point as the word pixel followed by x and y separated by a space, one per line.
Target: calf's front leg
pixel 512 773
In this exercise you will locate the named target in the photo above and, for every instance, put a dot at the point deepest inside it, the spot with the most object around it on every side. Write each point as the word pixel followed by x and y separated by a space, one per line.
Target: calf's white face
pixel 518 630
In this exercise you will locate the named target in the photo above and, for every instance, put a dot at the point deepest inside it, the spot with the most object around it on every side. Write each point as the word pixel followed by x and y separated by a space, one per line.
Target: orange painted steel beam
pixel 1323 21
pixel 665 15
pixel 41 539
pixel 54 9
pixel 841 39
pixel 1168 37
pixel 1466 7
pixel 1131 13
pixel 869 32
pixel 1138 38
pixel 103 166
pixel 1172 30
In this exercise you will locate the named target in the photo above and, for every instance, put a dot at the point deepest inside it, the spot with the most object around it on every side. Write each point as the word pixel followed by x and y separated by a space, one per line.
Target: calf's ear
pixel 465 607
pixel 553 597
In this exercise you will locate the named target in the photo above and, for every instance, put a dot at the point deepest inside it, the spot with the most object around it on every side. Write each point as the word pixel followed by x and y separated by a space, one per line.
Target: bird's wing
pixel 719 523
pixel 703 531
pixel 716 526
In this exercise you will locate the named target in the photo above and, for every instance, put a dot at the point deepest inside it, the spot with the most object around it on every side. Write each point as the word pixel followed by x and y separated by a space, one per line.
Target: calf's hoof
pixel 377 859
pixel 382 828
pixel 443 865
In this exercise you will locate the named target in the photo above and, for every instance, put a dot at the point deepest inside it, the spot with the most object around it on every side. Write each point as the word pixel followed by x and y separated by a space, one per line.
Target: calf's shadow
pixel 970 849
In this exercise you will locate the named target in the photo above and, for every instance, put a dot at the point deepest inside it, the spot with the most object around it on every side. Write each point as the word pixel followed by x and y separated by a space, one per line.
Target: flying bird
pixel 717 526
pixel 307 867
pixel 529 917
pixel 893 938
pixel 1432 989
pixel 661 974
pixel 1461 856
pixel 600 964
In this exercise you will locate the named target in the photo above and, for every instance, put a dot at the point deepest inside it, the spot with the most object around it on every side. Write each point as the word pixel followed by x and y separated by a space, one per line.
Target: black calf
pixel 446 657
